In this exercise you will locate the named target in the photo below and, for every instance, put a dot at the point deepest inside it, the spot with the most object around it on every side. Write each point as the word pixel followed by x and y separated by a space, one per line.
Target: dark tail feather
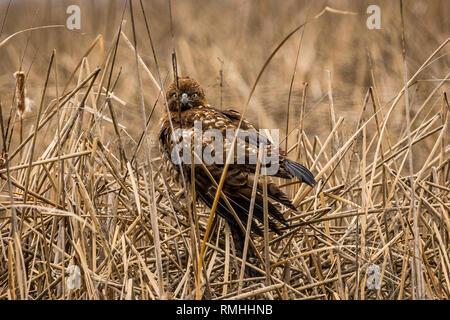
pixel 275 193
pixel 299 171
pixel 239 239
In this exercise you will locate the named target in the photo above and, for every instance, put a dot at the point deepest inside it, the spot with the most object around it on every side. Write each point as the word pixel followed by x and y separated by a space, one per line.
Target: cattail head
pixel 23 104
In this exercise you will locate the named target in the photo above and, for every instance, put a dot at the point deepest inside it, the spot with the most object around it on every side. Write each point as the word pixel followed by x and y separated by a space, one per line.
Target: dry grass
pixel 81 184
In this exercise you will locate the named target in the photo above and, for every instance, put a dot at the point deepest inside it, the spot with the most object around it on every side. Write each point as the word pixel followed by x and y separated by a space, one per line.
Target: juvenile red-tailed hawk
pixel 189 108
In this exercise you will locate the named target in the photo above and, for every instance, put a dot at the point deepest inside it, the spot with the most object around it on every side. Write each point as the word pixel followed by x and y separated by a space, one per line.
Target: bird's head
pixel 188 94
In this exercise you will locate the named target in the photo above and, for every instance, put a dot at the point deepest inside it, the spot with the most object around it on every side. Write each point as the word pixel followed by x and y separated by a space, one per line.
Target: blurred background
pixel 228 42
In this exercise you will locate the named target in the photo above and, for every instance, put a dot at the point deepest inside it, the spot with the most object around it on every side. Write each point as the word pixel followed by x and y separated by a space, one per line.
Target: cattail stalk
pixel 20 99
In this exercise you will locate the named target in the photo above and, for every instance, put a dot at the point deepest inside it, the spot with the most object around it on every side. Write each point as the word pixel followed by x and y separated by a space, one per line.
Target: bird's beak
pixel 184 99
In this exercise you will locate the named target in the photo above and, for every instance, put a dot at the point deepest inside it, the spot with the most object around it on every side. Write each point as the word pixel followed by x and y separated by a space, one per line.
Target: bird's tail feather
pixel 299 171
pixel 238 239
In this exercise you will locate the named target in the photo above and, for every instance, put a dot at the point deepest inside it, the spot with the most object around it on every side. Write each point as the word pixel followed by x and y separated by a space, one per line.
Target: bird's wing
pixel 287 168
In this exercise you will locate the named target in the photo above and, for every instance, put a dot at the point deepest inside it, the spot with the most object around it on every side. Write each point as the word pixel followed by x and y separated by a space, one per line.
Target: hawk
pixel 188 105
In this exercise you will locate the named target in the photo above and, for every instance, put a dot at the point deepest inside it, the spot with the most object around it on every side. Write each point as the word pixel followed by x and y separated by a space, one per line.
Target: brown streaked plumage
pixel 187 103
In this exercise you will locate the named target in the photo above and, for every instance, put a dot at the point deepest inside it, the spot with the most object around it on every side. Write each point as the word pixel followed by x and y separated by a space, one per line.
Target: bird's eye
pixel 195 96
pixel 173 94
